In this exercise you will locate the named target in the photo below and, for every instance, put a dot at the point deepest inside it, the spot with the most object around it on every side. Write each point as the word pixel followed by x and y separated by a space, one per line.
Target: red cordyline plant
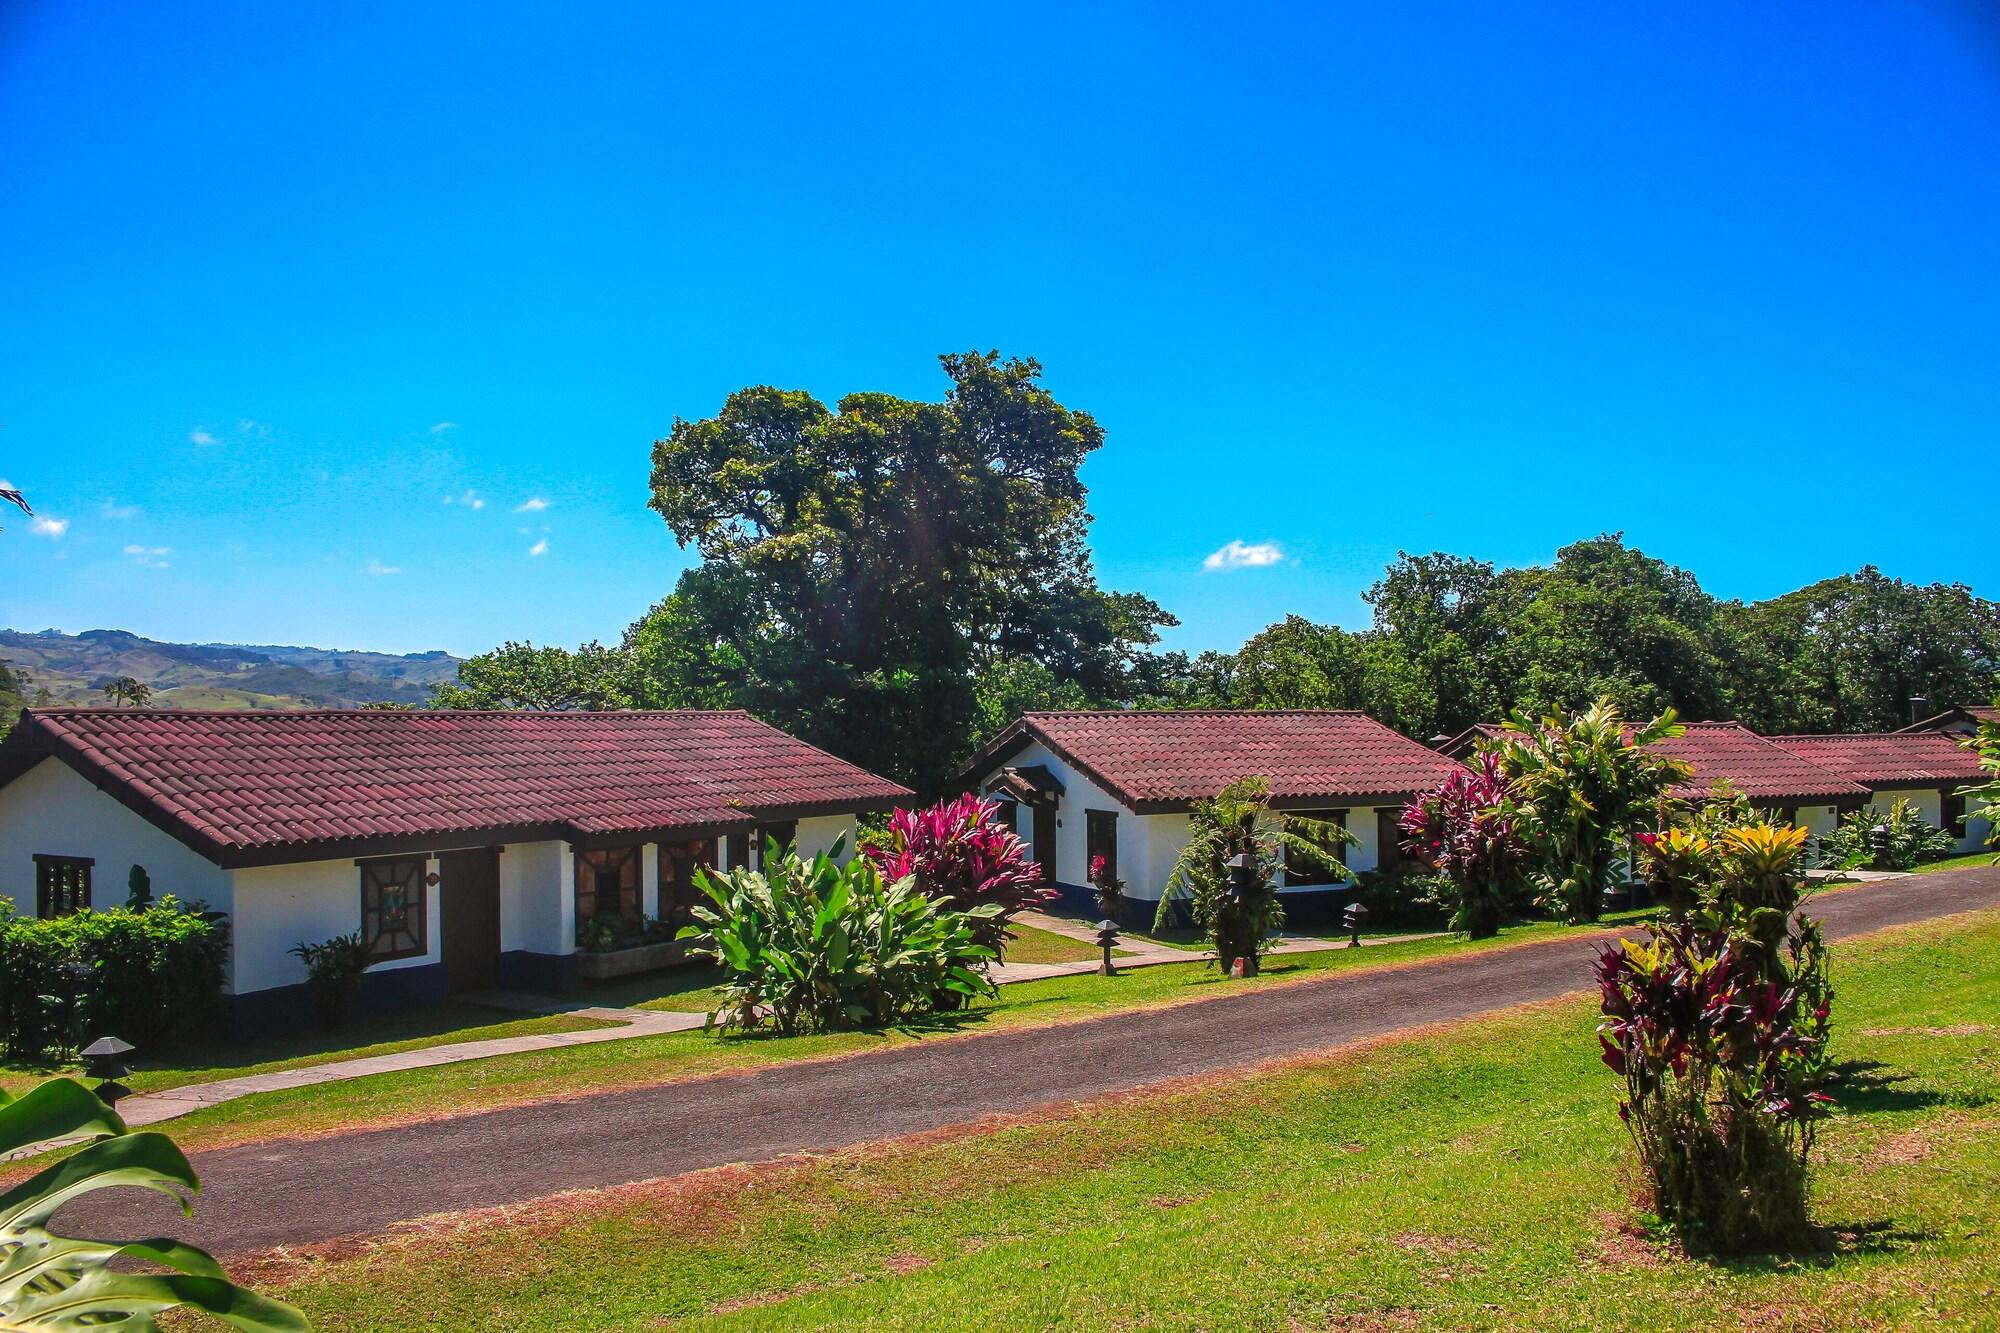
pixel 1466 830
pixel 957 852
pixel 1723 1069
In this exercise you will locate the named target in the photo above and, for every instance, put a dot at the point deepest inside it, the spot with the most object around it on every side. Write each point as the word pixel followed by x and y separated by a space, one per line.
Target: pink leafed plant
pixel 1467 830
pixel 957 852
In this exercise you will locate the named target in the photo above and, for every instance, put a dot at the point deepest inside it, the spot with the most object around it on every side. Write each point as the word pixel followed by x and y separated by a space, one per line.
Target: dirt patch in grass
pixel 900 1264
pixel 1621 1243
pixel 1424 1243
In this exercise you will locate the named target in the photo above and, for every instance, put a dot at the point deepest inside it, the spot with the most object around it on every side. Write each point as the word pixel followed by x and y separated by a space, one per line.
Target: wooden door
pixel 469 901
pixel 1045 842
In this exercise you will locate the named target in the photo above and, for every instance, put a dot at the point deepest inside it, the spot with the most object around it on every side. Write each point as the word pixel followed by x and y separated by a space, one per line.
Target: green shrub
pixel 333 975
pixel 817 947
pixel 1911 840
pixel 149 975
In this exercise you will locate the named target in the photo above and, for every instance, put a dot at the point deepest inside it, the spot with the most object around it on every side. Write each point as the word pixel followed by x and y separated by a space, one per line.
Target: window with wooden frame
pixel 1951 814
pixel 784 832
pixel 392 908
pixel 607 884
pixel 678 863
pixel 62 885
pixel 1100 838
pixel 1388 839
pixel 1302 869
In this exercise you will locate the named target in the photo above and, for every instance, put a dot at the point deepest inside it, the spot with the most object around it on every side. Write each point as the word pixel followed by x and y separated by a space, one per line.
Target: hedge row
pixel 150 974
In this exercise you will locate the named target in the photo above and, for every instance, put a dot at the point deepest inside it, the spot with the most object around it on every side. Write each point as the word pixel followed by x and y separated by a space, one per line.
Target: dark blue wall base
pixel 521 970
pixel 289 1009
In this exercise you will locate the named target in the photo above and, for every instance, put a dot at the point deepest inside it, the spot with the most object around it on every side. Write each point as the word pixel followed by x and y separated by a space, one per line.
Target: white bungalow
pixel 1079 785
pixel 464 846
pixel 1925 768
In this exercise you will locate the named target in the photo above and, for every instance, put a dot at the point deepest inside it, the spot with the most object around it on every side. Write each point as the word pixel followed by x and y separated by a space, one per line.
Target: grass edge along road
pixel 576 1071
pixel 1472 1175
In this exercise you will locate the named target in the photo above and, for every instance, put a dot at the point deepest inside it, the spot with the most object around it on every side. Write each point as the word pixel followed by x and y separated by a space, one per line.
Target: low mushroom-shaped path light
pixel 1107 938
pixel 104 1059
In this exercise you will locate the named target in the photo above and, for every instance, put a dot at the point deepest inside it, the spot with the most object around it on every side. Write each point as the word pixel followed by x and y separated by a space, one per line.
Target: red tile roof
pixel 255 787
pixel 1970 714
pixel 1721 752
pixel 1731 752
pixel 1882 759
pixel 1158 761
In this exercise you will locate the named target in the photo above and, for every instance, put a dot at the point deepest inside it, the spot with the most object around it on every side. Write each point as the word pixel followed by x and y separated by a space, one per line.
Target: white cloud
pixel 112 509
pixel 44 526
pixel 540 548
pixel 471 500
pixel 1239 554
pixel 444 426
pixel 249 427
pixel 200 436
pixel 377 567
pixel 534 505
pixel 152 557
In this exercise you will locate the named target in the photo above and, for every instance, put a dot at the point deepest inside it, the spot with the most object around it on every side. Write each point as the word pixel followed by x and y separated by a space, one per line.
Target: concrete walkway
pixel 153 1107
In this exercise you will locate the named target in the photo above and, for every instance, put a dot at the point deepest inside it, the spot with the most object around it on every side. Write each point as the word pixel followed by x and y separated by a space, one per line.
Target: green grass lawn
pixel 420 1094
pixel 203 1062
pixel 1473 1177
pixel 1985 858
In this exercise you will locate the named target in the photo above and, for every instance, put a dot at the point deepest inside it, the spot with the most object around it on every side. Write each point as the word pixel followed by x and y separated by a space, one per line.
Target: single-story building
pixel 1923 767
pixel 1118 784
pixel 465 847
pixel 1788 787
pixel 1964 720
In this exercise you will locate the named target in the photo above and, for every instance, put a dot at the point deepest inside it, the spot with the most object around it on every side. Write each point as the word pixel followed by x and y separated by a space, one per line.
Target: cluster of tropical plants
pixel 333 975
pixel 1110 888
pixel 608 931
pixel 1719 1026
pixel 151 975
pixel 959 853
pixel 52 1283
pixel 1899 836
pixel 817 946
pixel 1579 786
pixel 1468 830
pixel 1226 874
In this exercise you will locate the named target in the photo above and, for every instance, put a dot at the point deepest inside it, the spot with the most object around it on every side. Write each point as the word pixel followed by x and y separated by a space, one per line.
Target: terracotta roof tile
pixel 1164 759
pixel 1887 758
pixel 1731 752
pixel 242 784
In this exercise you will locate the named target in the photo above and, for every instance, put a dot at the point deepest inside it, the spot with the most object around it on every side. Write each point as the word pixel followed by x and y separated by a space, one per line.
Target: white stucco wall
pixel 1072 829
pixel 52 810
pixel 1925 801
pixel 307 902
pixel 1818 820
pixel 819 834
pixel 537 899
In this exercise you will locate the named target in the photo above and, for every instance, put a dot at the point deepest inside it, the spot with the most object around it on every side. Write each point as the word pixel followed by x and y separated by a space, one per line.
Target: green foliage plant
pixel 151 976
pixel 1909 839
pixel 1984 798
pixel 1582 786
pixel 333 975
pixel 1720 1025
pixel 818 946
pixel 1238 912
pixel 51 1283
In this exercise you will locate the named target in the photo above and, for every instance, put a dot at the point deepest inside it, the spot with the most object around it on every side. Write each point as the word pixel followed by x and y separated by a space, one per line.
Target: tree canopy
pixel 896 580
pixel 884 579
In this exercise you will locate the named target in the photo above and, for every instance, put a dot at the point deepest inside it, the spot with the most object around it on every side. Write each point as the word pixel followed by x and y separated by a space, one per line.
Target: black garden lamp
pixel 1107 937
pixel 1356 914
pixel 104 1060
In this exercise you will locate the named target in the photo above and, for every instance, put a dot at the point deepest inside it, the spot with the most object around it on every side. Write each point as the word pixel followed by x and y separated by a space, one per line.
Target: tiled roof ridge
pixel 1197 712
pixel 275 714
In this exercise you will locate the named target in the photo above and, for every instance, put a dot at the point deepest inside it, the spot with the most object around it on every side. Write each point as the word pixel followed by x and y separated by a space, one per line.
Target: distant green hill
pixel 74 668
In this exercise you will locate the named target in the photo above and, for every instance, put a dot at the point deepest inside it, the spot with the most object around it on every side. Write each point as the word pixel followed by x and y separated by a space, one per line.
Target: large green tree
pixel 870 572
pixel 1850 653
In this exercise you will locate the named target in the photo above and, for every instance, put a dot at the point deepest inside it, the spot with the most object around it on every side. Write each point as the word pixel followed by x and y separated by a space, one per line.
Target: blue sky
pixel 276 281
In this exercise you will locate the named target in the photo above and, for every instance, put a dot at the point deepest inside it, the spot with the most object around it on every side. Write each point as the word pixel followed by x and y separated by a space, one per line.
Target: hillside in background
pixel 73 669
